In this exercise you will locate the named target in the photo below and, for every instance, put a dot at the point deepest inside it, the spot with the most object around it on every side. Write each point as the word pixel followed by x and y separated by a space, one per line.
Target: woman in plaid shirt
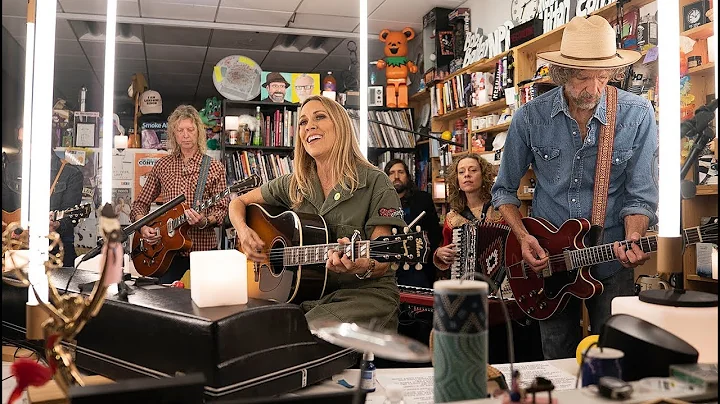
pixel 177 173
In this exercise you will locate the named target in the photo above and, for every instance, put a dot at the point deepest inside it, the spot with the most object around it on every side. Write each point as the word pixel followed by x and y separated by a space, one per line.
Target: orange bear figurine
pixel 397 66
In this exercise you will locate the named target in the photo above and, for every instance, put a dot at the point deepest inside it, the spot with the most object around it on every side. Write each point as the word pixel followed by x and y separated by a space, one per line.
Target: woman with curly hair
pixel 469 182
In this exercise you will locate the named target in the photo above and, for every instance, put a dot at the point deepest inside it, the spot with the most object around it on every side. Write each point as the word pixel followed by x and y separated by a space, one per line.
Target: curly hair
pixel 186 112
pixel 456 197
pixel 560 75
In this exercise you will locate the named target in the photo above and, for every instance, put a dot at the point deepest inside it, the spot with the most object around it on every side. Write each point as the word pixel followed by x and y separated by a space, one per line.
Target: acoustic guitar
pixel 75 213
pixel 542 294
pixel 155 259
pixel 297 251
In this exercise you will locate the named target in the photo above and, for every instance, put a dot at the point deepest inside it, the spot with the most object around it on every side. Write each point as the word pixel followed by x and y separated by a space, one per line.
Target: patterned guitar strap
pixel 603 164
pixel 202 179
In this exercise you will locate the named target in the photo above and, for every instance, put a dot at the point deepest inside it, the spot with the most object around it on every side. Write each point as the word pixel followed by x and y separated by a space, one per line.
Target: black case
pixel 258 349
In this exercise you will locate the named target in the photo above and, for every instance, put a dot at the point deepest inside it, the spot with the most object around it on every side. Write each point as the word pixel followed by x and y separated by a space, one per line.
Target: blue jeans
pixel 562 333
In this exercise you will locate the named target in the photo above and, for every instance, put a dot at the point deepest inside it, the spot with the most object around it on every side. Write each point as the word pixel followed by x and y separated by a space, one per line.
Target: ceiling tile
pixel 375 26
pixel 292 61
pixel 136 65
pixel 175 52
pixel 254 17
pixel 206 76
pixel 78 62
pixel 125 8
pixel 346 8
pixel 176 11
pixel 333 63
pixel 173 91
pixel 334 23
pixel 276 5
pixel 215 55
pixel 375 47
pixel 63 30
pixel 122 50
pixel 16 26
pixel 159 66
pixel 68 47
pixel 181 80
pixel 14 8
pixel 242 40
pixel 409 11
pixel 213 3
pixel 176 35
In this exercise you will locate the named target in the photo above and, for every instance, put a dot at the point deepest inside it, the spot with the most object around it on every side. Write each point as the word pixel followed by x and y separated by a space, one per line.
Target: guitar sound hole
pixel 276 257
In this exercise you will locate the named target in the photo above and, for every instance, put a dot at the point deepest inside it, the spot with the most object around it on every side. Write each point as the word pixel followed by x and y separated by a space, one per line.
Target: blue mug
pixel 599 362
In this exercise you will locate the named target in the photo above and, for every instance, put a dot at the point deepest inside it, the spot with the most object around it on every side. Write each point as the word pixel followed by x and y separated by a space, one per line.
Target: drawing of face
pixel 304 86
pixel 276 91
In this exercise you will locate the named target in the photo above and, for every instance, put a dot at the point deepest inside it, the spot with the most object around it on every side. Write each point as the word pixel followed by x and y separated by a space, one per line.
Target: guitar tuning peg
pixel 418 267
pixel 394 266
pixel 394 230
pixel 417 229
pixel 406 230
pixel 406 266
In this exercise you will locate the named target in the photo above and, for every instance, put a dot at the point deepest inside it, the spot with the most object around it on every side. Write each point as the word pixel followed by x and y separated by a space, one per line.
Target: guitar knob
pixel 542 305
pixel 530 310
pixel 532 293
pixel 417 229
pixel 521 298
pixel 418 267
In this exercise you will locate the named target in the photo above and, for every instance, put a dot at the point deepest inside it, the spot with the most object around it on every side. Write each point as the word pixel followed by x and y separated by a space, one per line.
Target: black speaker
pixel 649 350
pixel 436 28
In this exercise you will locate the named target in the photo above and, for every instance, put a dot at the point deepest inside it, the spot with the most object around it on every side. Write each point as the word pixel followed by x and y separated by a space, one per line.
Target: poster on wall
pixel 144 162
pixel 237 78
pixel 275 87
pixel 304 85
pixel 121 200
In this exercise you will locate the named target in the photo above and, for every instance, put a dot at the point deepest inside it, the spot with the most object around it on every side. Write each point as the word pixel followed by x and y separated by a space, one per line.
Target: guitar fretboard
pixel 606 252
pixel 182 219
pixel 317 254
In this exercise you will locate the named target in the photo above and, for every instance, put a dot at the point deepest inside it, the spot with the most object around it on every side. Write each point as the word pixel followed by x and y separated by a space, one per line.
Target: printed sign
pixel 144 162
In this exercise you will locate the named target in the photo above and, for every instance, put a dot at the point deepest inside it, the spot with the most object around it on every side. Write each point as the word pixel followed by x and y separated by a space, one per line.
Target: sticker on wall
pixel 237 78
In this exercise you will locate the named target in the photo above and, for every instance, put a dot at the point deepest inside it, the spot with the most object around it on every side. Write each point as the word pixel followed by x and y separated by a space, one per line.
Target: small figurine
pixel 397 66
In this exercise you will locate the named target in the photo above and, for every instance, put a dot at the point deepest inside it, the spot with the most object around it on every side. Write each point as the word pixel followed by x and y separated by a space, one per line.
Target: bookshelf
pixel 705 202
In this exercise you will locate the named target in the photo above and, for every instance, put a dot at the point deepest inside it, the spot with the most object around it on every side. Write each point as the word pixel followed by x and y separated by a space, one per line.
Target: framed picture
pixel 87 129
pixel 446 42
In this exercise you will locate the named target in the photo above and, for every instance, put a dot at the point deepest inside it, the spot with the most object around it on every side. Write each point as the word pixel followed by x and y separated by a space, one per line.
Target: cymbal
pixel 382 345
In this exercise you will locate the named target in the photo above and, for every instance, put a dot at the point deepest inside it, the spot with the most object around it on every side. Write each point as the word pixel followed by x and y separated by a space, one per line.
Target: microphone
pixel 697 124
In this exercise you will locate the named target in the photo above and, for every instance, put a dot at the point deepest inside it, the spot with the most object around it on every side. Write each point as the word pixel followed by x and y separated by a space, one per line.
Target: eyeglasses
pixel 279 86
pixel 306 88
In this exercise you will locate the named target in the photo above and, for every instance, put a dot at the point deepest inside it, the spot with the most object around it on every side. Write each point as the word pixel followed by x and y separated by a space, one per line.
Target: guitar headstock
pixel 75 213
pixel 408 247
pixel 246 185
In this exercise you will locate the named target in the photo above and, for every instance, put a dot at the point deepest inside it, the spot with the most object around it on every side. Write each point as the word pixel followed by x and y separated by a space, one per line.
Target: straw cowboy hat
pixel 589 43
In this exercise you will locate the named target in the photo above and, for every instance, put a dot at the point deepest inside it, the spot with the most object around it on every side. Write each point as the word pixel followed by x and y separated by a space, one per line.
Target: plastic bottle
pixel 367 382
pixel 394 394
pixel 329 83
pixel 257 138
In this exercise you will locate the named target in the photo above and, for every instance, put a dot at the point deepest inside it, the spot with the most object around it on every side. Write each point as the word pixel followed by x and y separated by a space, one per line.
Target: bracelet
pixel 369 272
pixel 205 225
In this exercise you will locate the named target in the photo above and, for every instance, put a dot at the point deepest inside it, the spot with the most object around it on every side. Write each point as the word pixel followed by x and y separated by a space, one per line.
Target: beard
pixel 585 101
pixel 400 187
pixel 277 97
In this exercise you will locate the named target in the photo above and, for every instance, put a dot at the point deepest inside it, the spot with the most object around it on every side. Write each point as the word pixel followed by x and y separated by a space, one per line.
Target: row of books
pixel 241 164
pixel 408 158
pixel 384 136
pixel 279 128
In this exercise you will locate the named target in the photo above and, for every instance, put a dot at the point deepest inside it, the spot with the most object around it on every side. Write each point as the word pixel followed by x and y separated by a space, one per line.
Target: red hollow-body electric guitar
pixel 540 295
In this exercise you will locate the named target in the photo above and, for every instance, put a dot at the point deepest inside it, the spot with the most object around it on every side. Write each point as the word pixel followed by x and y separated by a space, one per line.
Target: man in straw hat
pixel 560 133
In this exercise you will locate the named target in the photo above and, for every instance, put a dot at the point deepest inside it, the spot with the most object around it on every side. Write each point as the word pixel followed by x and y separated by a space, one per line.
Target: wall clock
pixel 523 10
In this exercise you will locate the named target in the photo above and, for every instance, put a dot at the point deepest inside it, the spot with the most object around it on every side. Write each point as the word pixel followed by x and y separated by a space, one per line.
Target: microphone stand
pixel 123 290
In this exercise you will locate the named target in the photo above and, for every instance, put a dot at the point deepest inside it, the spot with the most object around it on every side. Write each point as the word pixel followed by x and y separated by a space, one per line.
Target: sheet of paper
pixel 530 370
pixel 651 55
pixel 417 384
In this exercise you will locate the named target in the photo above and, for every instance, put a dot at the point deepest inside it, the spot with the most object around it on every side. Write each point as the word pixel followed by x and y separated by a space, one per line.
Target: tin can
pixel 233 137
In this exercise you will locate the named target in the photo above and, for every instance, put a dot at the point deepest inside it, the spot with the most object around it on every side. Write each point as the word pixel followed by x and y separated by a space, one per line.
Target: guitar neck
pixel 182 219
pixel 315 254
pixel 606 252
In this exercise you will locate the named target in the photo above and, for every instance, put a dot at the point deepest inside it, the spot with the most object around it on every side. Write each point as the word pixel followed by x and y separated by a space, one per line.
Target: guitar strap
pixel 603 164
pixel 57 177
pixel 467 213
pixel 202 179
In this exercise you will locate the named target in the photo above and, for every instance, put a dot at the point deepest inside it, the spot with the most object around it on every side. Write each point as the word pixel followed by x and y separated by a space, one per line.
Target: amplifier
pixel 257 349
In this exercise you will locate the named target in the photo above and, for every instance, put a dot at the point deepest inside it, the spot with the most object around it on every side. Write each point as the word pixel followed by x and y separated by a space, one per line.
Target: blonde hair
pixel 344 156
pixel 457 198
pixel 186 112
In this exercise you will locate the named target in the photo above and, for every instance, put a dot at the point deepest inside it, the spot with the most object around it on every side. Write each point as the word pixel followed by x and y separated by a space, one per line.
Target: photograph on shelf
pixel 87 129
pixel 121 199
pixel 304 85
pixel 154 133
pixel 274 87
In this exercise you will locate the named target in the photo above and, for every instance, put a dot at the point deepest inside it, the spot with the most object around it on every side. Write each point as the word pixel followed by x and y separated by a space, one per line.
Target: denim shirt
pixel 544 135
